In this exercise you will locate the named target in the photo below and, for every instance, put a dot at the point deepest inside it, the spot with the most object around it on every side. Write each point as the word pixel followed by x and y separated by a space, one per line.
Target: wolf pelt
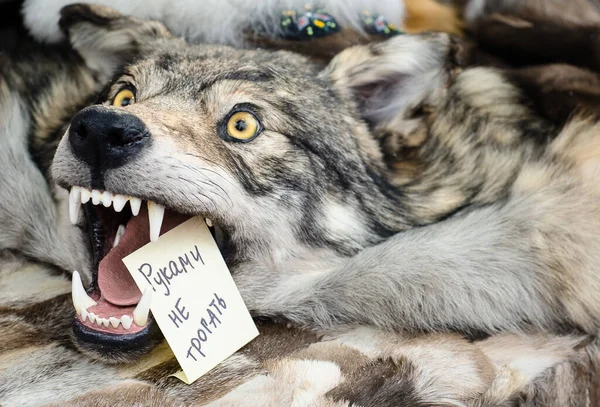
pixel 377 368
pixel 349 366
pixel 509 200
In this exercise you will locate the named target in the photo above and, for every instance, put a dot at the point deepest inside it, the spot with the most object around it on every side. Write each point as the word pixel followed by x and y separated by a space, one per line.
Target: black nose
pixel 106 138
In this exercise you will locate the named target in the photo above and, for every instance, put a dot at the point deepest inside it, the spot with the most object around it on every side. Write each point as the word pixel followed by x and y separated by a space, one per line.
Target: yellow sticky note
pixel 194 298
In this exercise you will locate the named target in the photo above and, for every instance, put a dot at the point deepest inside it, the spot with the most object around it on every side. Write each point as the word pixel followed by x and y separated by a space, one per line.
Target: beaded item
pixel 378 25
pixel 306 26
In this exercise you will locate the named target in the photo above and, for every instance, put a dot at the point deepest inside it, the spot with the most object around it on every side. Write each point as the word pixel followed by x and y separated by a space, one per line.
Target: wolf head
pixel 283 157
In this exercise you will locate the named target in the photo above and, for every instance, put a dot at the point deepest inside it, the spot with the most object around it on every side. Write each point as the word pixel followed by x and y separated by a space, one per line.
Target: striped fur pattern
pixel 284 366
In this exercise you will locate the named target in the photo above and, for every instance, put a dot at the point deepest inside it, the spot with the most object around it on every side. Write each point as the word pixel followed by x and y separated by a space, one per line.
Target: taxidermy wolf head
pixel 299 169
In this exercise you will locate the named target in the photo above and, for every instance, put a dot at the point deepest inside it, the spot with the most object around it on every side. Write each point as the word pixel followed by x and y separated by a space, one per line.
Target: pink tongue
pixel 115 282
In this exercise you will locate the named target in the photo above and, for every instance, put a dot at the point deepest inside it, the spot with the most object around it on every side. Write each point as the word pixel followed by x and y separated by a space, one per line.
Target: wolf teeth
pixel 80 195
pixel 120 232
pixel 107 199
pixel 126 321
pixel 78 294
pixel 156 214
pixel 96 196
pixel 141 311
pixel 74 204
pixel 119 202
pixel 136 204
pixel 86 194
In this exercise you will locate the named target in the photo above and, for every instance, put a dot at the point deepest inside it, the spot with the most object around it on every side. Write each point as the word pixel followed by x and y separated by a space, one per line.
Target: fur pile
pixel 350 366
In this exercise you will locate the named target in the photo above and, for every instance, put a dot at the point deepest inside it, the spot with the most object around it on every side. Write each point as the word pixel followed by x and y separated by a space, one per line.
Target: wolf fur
pixel 350 366
pixel 377 368
pixel 501 178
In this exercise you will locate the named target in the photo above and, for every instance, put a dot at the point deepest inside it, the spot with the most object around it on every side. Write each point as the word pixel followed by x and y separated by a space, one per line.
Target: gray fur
pixel 31 223
pixel 504 266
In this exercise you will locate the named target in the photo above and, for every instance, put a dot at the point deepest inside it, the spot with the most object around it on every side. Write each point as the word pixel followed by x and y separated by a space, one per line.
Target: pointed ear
pixel 107 39
pixel 395 80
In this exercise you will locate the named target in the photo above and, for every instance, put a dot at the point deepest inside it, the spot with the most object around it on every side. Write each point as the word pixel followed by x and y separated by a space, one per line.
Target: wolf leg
pixel 502 267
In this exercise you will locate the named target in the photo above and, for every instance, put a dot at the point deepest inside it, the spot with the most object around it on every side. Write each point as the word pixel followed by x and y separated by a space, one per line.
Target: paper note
pixel 194 299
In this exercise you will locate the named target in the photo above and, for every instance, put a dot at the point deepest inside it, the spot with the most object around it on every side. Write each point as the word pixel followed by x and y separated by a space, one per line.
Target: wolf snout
pixel 106 138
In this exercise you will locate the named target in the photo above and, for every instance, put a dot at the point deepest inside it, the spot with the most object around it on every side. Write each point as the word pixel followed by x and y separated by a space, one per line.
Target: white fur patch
pixel 528 355
pixel 213 21
pixel 298 383
pixel 341 221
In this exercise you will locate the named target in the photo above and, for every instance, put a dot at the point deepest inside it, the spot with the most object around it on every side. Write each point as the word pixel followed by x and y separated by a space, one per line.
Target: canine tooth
pixel 74 204
pixel 140 313
pixel 136 204
pixel 107 199
pixel 92 317
pixel 114 322
pixel 80 297
pixel 119 202
pixel 96 196
pixel 126 321
pixel 84 314
pixel 156 214
pixel 86 194
pixel 209 222
pixel 119 234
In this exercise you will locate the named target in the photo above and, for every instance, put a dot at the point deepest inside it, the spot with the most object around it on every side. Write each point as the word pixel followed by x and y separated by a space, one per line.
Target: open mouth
pixel 112 309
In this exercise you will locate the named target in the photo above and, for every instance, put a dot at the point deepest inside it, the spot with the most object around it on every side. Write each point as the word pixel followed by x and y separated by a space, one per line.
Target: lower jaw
pixel 102 344
pixel 115 348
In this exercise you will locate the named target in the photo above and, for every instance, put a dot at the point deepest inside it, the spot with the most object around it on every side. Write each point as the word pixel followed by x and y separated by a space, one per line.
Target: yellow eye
pixel 242 126
pixel 125 97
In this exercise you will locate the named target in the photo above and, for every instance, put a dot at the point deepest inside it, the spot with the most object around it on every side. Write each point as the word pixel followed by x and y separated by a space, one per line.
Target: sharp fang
pixel 209 222
pixel 119 202
pixel 114 322
pixel 84 314
pixel 96 196
pixel 86 194
pixel 92 317
pixel 136 205
pixel 80 297
pixel 156 214
pixel 140 313
pixel 107 199
pixel 126 321
pixel 74 204
pixel 120 232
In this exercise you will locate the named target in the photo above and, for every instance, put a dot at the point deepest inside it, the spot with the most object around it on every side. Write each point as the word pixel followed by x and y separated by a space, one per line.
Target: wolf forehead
pixel 190 71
